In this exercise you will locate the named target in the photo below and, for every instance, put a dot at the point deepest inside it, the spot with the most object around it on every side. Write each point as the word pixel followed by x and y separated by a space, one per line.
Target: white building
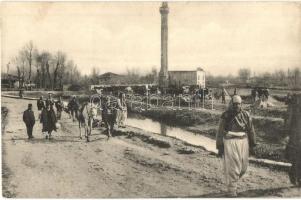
pixel 185 78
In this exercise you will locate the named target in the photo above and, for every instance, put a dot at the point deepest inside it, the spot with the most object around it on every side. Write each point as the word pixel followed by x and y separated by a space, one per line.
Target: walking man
pixel 29 120
pixel 48 120
pixel 235 137
pixel 253 94
pixel 109 116
pixel 223 96
pixel 50 100
pixel 122 111
pixel 59 108
pixel 73 106
pixel 40 105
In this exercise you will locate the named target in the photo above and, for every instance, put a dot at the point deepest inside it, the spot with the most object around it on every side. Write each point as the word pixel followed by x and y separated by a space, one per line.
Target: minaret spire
pixel 163 75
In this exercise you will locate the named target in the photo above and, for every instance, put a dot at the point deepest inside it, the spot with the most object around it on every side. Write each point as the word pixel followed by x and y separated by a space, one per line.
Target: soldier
pixel 235 137
pixel 29 120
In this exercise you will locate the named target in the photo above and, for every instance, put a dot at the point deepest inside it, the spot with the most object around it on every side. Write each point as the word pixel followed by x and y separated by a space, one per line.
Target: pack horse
pixel 88 113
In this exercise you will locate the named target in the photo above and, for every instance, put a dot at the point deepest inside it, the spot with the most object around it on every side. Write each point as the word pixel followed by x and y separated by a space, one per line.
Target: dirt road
pixel 124 166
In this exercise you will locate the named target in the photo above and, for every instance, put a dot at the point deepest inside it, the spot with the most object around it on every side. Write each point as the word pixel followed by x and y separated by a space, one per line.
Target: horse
pixel 87 114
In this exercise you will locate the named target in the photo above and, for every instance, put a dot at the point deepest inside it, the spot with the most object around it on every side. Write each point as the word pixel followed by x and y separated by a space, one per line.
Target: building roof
pixel 9 76
pixel 197 69
pixel 109 75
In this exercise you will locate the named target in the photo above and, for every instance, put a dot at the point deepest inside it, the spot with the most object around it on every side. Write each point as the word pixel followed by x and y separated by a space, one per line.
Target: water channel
pixel 156 127
pixel 150 125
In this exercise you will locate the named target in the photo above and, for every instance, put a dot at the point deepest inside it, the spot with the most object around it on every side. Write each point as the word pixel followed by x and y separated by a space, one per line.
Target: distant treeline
pixel 280 79
pixel 51 71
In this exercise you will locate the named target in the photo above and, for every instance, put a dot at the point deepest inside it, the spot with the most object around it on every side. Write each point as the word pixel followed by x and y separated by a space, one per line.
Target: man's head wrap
pixel 236 99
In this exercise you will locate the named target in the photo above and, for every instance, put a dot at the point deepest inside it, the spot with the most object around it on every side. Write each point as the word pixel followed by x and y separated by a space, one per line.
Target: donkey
pixel 86 115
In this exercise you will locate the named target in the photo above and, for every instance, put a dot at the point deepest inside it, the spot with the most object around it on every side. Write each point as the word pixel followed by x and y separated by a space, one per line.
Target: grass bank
pixel 270 133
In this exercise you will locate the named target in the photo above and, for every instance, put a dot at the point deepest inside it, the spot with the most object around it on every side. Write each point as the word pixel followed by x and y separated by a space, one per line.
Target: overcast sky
pixel 220 37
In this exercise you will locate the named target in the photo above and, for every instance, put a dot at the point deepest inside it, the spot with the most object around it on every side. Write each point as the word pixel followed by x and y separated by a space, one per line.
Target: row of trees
pixel 47 70
pixel 279 78
pixel 53 70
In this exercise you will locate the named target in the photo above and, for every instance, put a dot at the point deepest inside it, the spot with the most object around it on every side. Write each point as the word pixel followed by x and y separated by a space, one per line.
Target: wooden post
pixel 203 96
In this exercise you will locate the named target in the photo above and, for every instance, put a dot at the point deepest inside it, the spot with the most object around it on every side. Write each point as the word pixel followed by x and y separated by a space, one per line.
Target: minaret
pixel 163 75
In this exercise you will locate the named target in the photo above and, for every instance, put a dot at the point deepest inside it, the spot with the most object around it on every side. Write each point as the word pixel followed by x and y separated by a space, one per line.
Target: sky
pixel 220 37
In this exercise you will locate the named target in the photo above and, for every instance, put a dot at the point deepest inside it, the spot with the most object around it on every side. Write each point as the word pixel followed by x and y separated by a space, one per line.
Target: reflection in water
pixel 161 128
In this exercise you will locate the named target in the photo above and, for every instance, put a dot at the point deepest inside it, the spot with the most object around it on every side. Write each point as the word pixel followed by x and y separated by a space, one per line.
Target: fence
pixel 189 102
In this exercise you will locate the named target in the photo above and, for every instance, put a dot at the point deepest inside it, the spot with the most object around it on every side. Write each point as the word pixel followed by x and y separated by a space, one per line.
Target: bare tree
pixel 39 65
pixel 51 70
pixel 244 74
pixel 28 52
pixel 61 75
pixel 94 75
pixel 69 72
pixel 133 75
pixel 76 75
pixel 60 59
pixel 294 78
pixel 46 77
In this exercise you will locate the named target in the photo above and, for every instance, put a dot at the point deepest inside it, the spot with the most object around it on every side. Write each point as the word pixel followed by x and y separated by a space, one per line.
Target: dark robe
pixel 48 120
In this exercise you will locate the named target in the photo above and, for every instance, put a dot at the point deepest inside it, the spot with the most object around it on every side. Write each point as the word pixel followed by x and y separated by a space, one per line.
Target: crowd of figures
pixel 235 140
pixel 260 93
pixel 100 110
pixel 47 117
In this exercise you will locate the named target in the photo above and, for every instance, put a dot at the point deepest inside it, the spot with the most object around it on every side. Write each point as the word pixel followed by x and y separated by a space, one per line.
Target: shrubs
pixel 270 151
pixel 75 87
pixel 182 117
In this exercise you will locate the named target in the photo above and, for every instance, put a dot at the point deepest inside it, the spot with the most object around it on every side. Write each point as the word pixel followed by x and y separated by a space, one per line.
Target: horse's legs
pixel 80 130
pixel 87 130
pixel 73 115
pixel 90 126
pixel 86 133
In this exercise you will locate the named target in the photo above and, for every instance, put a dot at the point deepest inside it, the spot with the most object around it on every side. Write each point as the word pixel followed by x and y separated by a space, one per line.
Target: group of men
pixel 235 138
pixel 261 93
pixel 114 114
pixel 111 114
pixel 47 116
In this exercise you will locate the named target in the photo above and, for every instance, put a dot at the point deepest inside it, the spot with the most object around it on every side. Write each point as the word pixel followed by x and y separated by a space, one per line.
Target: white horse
pixel 88 112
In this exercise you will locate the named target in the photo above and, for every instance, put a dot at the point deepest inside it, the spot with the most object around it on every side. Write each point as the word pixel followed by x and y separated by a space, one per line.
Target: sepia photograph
pixel 150 99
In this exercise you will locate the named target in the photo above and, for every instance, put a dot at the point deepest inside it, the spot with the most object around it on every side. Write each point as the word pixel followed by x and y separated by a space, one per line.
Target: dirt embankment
pixel 132 164
pixel 7 190
pixel 271 135
pixel 270 131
